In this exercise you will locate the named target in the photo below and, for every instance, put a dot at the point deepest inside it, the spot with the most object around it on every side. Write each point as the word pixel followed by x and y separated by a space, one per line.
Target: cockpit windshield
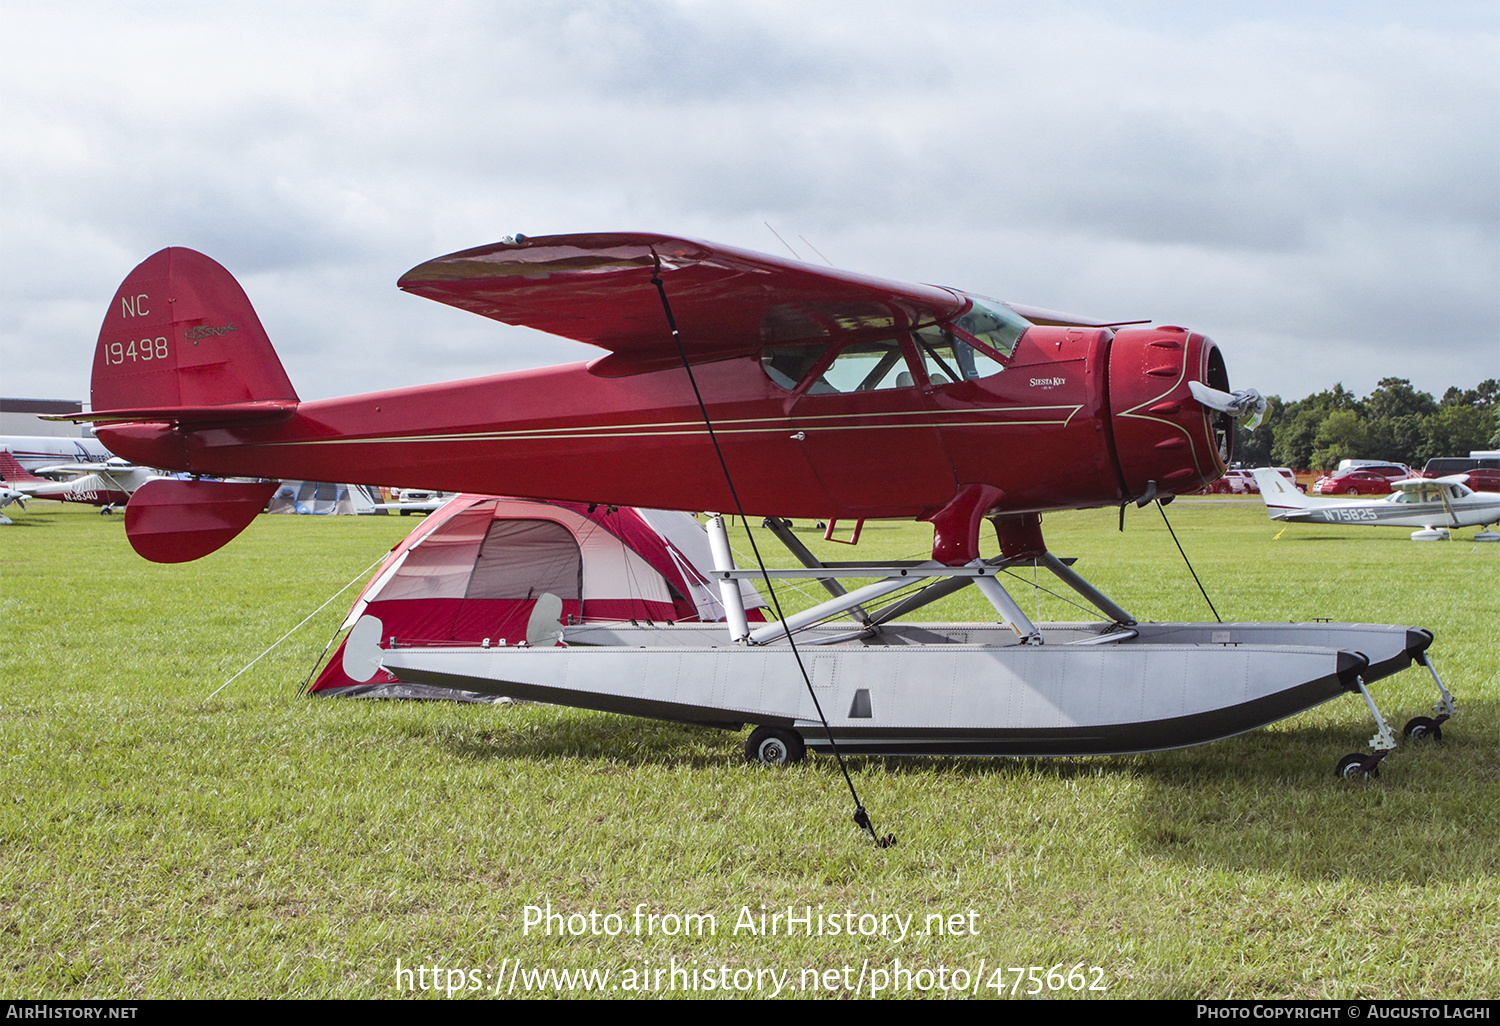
pixel 994 325
pixel 947 358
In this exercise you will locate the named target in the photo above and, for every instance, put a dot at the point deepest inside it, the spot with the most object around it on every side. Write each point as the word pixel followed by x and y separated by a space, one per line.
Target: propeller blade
pixel 1243 404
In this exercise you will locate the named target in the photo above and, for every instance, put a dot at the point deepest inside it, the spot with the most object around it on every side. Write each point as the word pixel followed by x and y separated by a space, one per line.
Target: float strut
pixel 729 590
pixel 1101 601
pixel 1010 613
pixel 1446 707
pixel 1383 741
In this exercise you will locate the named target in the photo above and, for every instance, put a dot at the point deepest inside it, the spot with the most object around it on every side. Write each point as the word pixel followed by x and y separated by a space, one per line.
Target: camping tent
pixel 324 497
pixel 476 568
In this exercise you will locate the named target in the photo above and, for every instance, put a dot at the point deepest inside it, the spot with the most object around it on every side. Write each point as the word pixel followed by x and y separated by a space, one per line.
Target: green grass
pixel 157 844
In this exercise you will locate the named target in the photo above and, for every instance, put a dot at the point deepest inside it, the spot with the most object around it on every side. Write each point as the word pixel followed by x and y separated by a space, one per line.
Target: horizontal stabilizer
pixel 171 521
pixel 226 413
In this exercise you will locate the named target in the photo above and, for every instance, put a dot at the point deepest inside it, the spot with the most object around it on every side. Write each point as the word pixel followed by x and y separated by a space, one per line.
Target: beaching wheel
pixel 774 746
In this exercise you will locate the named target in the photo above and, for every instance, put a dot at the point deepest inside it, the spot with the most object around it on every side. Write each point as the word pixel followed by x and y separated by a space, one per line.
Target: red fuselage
pixel 1078 417
pixel 826 393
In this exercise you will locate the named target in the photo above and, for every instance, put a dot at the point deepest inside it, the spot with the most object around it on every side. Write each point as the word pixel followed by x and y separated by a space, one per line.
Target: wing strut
pixel 861 817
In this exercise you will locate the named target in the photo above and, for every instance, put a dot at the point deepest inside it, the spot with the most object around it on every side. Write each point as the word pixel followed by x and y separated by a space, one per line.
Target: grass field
pixel 156 844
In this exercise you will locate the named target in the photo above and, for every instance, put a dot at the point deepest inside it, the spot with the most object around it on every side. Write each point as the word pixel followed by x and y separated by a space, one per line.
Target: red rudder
pixel 181 334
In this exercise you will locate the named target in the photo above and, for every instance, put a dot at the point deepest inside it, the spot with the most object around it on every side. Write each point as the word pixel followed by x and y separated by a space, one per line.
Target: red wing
pixel 598 289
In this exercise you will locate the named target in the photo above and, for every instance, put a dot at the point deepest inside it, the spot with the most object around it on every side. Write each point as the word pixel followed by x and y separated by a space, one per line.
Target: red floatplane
pixel 743 383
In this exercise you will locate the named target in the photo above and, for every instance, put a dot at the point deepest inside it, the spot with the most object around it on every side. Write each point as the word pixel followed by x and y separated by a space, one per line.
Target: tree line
pixel 1395 422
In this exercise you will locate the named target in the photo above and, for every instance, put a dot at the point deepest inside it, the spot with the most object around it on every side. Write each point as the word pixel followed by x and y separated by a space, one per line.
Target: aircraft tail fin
pixel 12 472
pixel 181 342
pixel 1279 494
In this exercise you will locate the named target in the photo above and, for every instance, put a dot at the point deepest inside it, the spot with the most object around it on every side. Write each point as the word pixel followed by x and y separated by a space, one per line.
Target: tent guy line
pixel 352 581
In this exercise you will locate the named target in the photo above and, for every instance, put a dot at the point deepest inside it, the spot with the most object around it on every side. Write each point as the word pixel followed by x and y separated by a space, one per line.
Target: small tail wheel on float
pixel 1422 727
pixel 1352 767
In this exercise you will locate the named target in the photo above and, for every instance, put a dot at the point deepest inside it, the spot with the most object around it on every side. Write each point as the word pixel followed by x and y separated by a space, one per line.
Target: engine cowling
pixel 1166 441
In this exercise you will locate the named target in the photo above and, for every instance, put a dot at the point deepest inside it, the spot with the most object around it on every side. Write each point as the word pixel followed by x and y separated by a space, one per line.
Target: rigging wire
pixel 861 817
pixel 1043 590
pixel 625 553
pixel 1163 507
pixel 813 597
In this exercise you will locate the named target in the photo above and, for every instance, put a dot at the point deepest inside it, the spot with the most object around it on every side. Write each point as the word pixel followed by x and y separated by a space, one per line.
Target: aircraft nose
pixel 1167 439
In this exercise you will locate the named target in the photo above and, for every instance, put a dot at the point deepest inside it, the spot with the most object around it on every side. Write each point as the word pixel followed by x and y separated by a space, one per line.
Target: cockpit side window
pixel 859 367
pixel 947 358
pixel 972 345
pixel 865 367
pixel 788 365
pixel 1422 495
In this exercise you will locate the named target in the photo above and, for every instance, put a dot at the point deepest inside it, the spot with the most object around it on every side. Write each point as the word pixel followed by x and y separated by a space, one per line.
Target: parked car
pixel 1484 472
pixel 1368 479
pixel 1242 482
pixel 1234 482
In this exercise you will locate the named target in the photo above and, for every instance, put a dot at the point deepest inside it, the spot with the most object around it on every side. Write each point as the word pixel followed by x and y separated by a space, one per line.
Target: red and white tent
pixel 475 569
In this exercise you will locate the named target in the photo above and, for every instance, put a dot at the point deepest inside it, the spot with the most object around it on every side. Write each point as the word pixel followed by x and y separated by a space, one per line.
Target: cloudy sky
pixel 1315 185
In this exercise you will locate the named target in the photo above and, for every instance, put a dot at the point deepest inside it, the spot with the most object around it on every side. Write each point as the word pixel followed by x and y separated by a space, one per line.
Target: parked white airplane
pixel 1433 504
pixel 106 485
pixel 9 495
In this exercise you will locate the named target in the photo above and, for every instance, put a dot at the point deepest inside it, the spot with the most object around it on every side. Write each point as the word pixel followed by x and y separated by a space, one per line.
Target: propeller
pixel 1244 404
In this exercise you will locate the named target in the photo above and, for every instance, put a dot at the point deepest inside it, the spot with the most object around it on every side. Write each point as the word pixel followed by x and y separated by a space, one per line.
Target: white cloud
pixel 1312 185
